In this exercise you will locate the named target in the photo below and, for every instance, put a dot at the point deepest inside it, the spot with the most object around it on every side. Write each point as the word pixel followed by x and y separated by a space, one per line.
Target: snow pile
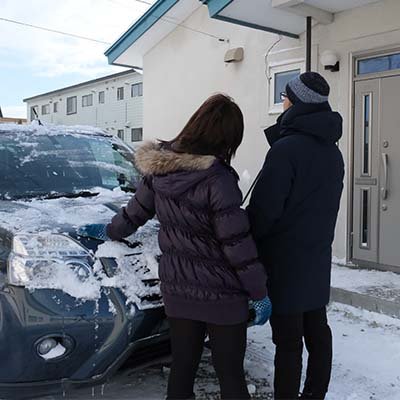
pixel 61 277
pixel 134 265
pixel 135 269
pixel 49 215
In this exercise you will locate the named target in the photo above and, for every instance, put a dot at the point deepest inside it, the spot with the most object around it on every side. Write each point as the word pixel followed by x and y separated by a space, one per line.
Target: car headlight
pixel 33 254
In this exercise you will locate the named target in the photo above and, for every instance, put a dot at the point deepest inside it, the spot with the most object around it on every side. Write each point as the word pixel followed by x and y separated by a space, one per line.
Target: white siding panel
pixel 110 116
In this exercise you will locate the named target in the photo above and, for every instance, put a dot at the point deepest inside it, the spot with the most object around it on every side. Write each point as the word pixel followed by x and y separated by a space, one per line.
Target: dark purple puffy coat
pixel 209 266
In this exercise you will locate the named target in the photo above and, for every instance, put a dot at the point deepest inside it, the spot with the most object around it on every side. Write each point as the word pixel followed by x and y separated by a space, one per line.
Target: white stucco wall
pixel 186 67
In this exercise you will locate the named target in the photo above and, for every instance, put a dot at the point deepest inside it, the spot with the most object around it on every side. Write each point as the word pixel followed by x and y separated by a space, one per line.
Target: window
pixel 366 152
pixel 378 64
pixel 101 97
pixel 137 134
pixel 87 100
pixel 365 218
pixel 137 90
pixel 71 105
pixel 121 134
pixel 279 75
pixel 55 107
pixel 34 112
pixel 281 80
pixel 120 93
pixel 46 109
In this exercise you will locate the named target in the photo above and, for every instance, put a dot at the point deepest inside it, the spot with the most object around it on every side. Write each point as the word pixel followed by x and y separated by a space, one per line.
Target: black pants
pixel 287 334
pixel 228 347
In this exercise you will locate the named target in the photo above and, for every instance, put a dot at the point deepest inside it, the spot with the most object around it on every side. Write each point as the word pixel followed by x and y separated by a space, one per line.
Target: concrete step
pixel 370 290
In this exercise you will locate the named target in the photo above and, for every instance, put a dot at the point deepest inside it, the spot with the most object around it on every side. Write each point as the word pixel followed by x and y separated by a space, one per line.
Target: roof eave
pixel 138 29
pixel 82 84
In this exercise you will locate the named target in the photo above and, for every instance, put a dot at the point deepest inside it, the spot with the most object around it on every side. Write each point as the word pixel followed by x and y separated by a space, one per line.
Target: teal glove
pixel 94 231
pixel 262 311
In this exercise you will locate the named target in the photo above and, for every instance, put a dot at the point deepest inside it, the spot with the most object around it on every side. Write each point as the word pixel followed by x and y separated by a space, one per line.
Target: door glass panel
pixel 378 64
pixel 366 147
pixel 365 218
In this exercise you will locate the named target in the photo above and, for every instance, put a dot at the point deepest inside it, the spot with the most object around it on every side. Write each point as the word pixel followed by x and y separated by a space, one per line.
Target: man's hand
pixel 94 231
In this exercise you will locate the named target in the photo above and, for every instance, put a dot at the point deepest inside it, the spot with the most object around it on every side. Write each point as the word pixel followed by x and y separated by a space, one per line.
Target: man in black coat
pixel 293 212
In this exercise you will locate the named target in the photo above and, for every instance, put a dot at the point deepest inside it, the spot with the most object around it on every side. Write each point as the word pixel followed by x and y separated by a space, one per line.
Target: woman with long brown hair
pixel 209 268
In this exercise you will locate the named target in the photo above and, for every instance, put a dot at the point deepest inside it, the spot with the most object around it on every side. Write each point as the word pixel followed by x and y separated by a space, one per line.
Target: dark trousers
pixel 228 347
pixel 288 332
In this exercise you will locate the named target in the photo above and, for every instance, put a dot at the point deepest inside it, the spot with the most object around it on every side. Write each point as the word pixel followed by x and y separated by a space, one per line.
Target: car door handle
pixel 384 188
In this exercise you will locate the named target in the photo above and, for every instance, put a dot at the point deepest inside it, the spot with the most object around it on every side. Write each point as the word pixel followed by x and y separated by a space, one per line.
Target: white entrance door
pixel 376 204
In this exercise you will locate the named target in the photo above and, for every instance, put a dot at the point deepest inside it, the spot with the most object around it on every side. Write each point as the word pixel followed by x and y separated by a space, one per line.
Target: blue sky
pixel 33 61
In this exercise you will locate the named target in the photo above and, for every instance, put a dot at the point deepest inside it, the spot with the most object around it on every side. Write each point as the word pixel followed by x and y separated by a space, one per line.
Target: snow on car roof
pixel 49 129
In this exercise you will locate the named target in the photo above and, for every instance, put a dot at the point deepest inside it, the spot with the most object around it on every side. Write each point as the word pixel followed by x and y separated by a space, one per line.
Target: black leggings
pixel 228 346
pixel 288 332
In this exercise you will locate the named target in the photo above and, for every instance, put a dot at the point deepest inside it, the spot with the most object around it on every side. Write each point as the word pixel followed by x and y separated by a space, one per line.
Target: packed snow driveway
pixel 367 356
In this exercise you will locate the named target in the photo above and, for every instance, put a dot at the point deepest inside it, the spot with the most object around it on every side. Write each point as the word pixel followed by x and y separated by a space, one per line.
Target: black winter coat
pixel 294 206
pixel 209 266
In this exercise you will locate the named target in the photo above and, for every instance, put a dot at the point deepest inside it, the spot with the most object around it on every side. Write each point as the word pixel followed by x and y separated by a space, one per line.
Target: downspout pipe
pixel 308 43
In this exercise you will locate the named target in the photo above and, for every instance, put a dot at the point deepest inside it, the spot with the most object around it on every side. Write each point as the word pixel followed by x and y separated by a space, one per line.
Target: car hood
pixel 127 266
pixel 61 215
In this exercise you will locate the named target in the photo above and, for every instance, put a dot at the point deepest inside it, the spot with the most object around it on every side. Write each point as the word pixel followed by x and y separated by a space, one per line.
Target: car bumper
pixel 30 390
pixel 101 340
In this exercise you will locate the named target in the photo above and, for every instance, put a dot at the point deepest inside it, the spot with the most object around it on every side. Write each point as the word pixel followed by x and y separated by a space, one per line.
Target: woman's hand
pixel 94 231
pixel 262 310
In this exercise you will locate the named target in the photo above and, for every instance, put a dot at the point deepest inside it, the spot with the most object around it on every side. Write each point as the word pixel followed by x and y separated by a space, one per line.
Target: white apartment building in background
pixel 113 103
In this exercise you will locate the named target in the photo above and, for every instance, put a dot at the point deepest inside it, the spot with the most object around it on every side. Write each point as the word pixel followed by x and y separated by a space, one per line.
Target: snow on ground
pixel 366 354
pixel 382 284
pixel 366 364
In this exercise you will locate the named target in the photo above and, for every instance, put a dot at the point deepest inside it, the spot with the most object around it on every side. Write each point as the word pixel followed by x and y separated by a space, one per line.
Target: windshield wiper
pixel 69 195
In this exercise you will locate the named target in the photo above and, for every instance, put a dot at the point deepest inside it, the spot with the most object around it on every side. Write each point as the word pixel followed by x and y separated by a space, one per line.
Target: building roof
pixel 103 78
pixel 160 20
pixel 285 17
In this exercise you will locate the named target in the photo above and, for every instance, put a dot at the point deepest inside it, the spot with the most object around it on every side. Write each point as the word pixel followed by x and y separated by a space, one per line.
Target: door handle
pixel 384 188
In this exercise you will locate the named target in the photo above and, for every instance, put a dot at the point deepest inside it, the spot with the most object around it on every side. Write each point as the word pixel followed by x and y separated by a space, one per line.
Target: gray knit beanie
pixel 309 88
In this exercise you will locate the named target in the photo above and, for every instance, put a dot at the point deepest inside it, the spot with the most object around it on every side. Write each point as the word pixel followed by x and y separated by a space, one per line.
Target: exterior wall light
pixel 330 60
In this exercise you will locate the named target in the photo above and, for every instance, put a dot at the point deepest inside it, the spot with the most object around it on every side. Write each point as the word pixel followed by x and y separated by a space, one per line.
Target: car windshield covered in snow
pixel 35 165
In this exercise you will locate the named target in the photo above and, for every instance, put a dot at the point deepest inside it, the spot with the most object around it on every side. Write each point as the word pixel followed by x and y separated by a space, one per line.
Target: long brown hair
pixel 216 128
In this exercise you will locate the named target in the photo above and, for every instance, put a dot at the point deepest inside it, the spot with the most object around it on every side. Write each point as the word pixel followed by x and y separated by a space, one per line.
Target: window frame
pixel 141 134
pixel 119 91
pixel 76 105
pixel 45 107
pixel 103 93
pixel 274 69
pixel 373 56
pixel 55 107
pixel 87 97
pixel 122 137
pixel 138 85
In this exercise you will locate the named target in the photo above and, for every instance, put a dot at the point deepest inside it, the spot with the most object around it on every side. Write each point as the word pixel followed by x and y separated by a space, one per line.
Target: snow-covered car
pixel 72 309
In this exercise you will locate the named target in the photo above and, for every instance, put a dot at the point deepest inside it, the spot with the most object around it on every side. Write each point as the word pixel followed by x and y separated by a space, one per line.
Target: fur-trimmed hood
pixel 153 159
pixel 174 173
